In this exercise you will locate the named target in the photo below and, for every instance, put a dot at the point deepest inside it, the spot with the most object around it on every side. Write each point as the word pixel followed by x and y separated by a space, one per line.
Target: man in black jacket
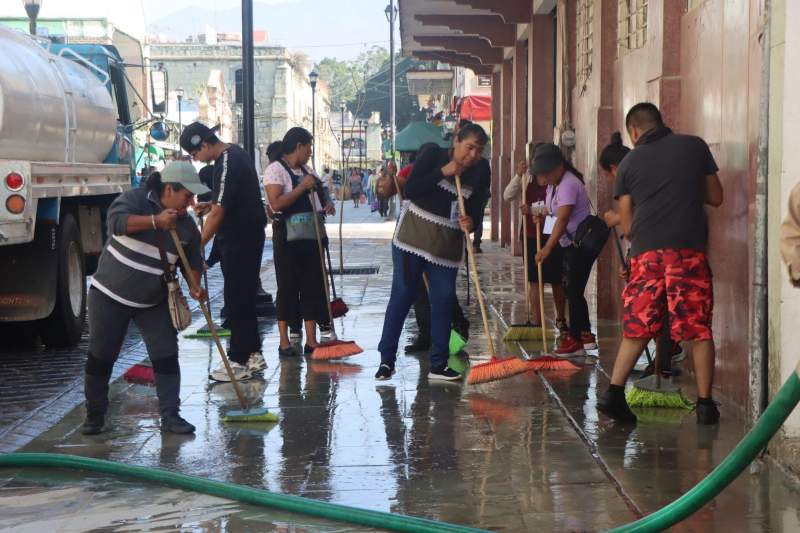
pixel 238 214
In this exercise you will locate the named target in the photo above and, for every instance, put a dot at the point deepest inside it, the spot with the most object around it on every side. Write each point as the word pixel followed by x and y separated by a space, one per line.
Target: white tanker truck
pixel 65 153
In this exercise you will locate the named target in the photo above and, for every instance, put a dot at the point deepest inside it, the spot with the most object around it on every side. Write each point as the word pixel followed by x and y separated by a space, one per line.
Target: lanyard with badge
pixel 550 220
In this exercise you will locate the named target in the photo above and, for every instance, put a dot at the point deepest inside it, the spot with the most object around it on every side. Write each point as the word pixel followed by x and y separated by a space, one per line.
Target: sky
pixel 322 28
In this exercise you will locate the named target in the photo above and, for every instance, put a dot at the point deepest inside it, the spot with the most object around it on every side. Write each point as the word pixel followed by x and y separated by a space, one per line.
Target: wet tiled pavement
pixel 525 454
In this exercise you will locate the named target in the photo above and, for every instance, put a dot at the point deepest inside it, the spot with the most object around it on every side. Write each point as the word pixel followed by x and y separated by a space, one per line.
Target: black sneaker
pixel 419 344
pixel 93 425
pixel 615 406
pixel 707 413
pixel 444 373
pixel 176 424
pixel 385 371
pixel 308 350
pixel 477 249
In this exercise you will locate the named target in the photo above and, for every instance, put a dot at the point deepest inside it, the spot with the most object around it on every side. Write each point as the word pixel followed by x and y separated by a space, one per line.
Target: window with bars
pixel 632 25
pixel 584 19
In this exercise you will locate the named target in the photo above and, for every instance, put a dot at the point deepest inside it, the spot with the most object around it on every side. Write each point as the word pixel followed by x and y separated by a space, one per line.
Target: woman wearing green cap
pixel 129 285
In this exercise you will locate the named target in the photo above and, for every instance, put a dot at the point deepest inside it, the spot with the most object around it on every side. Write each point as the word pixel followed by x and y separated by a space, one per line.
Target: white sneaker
pixel 239 371
pixel 327 334
pixel 256 362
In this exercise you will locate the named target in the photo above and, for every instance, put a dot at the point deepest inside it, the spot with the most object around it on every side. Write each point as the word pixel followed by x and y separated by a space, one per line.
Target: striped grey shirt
pixel 130 268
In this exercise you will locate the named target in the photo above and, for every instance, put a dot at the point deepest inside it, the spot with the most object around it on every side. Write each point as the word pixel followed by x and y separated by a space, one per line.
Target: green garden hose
pixel 745 452
pixel 241 493
pixel 748 449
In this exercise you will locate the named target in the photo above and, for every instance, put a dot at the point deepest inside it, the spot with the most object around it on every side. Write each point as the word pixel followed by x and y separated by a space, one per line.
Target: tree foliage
pixel 347 78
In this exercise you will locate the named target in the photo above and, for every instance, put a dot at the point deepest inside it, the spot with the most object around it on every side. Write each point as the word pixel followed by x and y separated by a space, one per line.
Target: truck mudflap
pixel 28 276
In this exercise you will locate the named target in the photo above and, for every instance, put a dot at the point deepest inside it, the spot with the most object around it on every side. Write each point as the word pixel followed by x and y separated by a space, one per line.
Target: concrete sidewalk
pixel 528 453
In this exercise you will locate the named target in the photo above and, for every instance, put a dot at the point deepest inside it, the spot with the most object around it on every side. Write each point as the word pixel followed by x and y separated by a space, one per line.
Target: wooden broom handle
pixel 525 251
pixel 474 271
pixel 210 321
pixel 541 287
pixel 321 258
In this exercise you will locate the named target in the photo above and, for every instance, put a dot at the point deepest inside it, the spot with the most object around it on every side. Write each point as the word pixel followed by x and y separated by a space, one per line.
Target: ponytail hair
pixel 569 168
pixel 613 153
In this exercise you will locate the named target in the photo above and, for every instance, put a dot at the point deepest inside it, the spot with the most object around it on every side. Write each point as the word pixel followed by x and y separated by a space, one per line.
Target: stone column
pixel 506 135
pixel 519 126
pixel 497 192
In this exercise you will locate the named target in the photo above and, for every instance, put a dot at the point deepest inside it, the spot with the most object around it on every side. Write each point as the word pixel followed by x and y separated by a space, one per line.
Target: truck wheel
pixel 64 326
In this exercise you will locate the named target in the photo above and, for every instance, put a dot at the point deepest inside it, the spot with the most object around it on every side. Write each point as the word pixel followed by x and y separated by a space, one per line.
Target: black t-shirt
pixel 665 176
pixel 238 190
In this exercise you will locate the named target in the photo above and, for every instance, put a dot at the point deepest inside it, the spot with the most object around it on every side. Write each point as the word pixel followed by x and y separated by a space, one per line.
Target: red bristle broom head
pixel 496 369
pixel 140 374
pixel 547 362
pixel 335 349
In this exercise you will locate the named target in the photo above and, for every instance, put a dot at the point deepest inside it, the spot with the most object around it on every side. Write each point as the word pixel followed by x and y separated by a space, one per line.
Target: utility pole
pixel 391 16
pixel 248 79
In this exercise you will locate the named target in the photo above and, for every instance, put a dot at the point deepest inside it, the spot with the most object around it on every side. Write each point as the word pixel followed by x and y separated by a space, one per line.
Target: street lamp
pixel 362 125
pixel 179 96
pixel 32 8
pixel 312 79
pixel 391 16
pixel 342 107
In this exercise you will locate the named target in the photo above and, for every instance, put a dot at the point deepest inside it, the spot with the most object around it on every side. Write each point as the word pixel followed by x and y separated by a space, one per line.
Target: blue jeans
pixel 407 276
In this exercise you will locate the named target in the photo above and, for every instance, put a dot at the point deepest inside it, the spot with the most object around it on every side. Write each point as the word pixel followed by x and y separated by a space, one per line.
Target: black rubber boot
pixel 614 405
pixel 95 388
pixel 168 387
pixel 707 412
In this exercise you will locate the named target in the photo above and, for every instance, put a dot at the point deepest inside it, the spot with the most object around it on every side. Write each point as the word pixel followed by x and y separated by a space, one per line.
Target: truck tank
pixel 51 108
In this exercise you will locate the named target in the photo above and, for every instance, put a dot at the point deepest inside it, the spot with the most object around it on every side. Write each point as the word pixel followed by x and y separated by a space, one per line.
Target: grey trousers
pixel 108 325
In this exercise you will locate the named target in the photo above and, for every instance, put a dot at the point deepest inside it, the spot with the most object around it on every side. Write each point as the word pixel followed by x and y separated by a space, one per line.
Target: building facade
pixel 283 95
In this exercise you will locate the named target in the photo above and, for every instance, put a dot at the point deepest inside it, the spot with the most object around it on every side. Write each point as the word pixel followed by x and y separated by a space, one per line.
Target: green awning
pixel 418 133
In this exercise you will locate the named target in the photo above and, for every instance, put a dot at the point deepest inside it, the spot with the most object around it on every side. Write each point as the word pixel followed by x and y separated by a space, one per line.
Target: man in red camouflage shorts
pixel 662 187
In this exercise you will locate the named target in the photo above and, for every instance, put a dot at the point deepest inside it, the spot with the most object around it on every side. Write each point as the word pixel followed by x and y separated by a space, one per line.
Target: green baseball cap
pixel 184 173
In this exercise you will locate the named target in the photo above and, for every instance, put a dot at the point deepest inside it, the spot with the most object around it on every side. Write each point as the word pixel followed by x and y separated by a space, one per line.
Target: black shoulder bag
pixel 592 234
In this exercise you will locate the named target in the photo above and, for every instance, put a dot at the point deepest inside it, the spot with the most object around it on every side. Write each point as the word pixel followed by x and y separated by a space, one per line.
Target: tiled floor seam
pixel 588 443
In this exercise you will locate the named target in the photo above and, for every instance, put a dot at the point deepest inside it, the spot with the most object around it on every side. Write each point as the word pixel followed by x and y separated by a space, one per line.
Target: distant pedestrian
pixel 662 187
pixel 239 213
pixel 129 286
pixel 355 188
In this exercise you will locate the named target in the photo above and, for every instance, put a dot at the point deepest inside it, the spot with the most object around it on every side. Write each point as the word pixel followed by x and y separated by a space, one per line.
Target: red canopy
pixel 476 108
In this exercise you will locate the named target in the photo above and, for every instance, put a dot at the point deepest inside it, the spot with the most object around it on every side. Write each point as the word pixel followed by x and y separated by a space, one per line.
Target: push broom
pixel 205 332
pixel 457 342
pixel 334 348
pixel 253 414
pixel 496 368
pixel 657 390
pixel 544 361
pixel 527 331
